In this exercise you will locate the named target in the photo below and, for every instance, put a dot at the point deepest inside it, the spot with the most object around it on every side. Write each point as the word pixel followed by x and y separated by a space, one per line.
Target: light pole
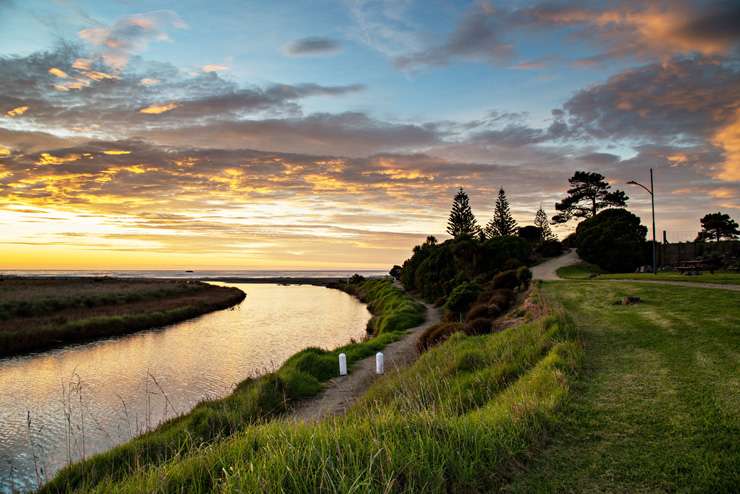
pixel 650 191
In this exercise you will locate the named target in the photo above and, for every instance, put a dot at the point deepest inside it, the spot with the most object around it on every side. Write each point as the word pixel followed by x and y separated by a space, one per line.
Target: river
pixel 64 404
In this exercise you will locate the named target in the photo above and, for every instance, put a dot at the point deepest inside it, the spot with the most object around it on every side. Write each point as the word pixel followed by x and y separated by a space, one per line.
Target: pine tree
pixel 541 222
pixel 462 220
pixel 502 223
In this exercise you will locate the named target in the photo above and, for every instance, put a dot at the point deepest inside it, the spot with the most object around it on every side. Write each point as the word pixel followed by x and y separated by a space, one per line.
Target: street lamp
pixel 650 191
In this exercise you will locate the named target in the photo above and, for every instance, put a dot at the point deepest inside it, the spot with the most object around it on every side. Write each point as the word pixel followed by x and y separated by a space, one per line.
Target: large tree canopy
pixel 614 240
pixel 716 226
pixel 589 193
pixel 462 222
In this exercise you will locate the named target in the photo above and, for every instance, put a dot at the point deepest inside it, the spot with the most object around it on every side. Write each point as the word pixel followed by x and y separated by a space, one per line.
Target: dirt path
pixel 548 270
pixel 341 392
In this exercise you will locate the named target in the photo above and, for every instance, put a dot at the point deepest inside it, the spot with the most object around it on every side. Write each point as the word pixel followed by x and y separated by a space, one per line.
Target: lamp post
pixel 650 191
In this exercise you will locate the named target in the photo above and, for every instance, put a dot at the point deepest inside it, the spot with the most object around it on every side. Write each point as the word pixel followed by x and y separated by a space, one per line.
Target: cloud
pixel 157 109
pixel 313 46
pixel 212 67
pixel 646 30
pixel 131 34
pixel 476 37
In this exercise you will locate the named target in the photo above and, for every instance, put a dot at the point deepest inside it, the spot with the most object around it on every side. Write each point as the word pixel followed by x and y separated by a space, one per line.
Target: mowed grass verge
pixel 455 421
pixel 657 408
pixel 38 314
pixel 584 270
pixel 253 401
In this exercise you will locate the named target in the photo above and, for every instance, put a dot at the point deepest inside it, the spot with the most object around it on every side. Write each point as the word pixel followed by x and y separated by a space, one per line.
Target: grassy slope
pixel 453 421
pixel 580 271
pixel 253 400
pixel 41 314
pixel 658 406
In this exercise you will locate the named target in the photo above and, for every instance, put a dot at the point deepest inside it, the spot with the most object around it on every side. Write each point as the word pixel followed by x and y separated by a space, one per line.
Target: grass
pixel 722 278
pixel 584 270
pixel 253 401
pixel 657 408
pixel 455 421
pixel 40 314
pixel 579 271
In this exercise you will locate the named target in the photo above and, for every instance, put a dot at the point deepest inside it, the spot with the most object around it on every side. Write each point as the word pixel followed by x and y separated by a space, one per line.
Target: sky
pixel 334 134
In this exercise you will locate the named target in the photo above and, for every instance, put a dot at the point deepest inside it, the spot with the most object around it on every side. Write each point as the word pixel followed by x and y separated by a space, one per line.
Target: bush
pixel 524 275
pixel 614 240
pixel 506 279
pixel 531 234
pixel 480 325
pixel 462 297
pixel 502 298
pixel 569 242
pixel 550 248
pixel 434 335
pixel 478 310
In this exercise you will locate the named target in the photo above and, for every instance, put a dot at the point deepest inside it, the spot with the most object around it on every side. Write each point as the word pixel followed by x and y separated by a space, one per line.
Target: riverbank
pixel 253 401
pixel 40 314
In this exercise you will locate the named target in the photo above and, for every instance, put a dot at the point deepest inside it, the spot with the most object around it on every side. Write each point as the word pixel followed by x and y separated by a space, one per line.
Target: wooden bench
pixel 692 267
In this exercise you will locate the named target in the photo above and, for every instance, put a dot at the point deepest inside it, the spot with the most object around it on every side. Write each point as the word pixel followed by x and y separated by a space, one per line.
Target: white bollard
pixel 379 363
pixel 342 364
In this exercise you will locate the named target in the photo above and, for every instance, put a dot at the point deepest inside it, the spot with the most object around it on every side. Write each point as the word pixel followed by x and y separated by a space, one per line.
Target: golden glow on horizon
pixel 115 152
pixel 157 109
pixel 16 112
pixel 4 151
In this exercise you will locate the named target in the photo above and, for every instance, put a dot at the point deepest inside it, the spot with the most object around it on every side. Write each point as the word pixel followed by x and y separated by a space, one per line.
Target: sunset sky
pixel 333 134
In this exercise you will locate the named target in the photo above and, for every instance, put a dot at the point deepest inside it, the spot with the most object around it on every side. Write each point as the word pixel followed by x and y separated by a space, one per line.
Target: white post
pixel 379 363
pixel 342 364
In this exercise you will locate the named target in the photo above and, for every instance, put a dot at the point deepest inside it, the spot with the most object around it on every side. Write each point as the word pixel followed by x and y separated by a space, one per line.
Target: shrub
pixel 524 275
pixel 462 297
pixel 434 335
pixel 550 248
pixel 506 279
pixel 478 310
pixel 502 298
pixel 478 326
pixel 531 234
pixel 614 240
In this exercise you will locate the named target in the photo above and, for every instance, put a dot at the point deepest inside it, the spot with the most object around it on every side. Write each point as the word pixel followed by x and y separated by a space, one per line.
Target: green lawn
pixel 719 277
pixel 580 271
pixel 657 407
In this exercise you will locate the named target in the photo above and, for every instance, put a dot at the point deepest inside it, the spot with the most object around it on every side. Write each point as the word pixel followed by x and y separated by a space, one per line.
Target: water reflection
pixel 64 404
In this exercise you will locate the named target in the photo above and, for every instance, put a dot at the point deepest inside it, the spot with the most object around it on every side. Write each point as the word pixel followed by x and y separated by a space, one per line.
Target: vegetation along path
pixel 341 392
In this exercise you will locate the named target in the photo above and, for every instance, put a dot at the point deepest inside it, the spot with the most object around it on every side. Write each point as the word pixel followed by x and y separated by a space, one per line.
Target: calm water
pixel 114 389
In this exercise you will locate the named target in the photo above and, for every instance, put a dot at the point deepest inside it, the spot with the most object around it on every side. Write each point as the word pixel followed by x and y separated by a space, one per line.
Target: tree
pixel 716 226
pixel 461 222
pixel 614 240
pixel 502 223
pixel 541 222
pixel 531 234
pixel 588 194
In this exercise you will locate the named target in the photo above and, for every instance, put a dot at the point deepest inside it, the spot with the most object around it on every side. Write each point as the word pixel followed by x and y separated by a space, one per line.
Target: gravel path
pixel 341 392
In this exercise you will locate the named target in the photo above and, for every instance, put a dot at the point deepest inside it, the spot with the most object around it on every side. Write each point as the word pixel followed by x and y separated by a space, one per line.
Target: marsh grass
pixel 255 400
pixel 76 315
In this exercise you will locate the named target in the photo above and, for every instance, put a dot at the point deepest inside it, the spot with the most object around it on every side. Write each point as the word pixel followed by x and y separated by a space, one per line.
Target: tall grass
pixel 253 401
pixel 455 421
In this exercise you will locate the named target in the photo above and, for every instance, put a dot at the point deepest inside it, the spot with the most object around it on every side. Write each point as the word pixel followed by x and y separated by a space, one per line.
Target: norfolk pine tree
pixel 502 223
pixel 462 222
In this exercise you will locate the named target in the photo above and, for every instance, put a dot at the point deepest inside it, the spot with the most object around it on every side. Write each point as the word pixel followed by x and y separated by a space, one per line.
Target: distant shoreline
pixel 277 280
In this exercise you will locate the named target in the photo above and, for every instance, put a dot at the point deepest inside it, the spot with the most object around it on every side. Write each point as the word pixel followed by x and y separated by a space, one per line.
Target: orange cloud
pixel 149 81
pixel 115 152
pixel 50 159
pixel 15 112
pixel 728 138
pixel 157 109
pixel 4 152
pixel 82 64
pixel 213 67
pixel 58 73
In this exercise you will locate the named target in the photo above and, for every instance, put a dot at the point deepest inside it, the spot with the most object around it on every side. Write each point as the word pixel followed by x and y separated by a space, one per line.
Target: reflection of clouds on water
pixel 85 399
